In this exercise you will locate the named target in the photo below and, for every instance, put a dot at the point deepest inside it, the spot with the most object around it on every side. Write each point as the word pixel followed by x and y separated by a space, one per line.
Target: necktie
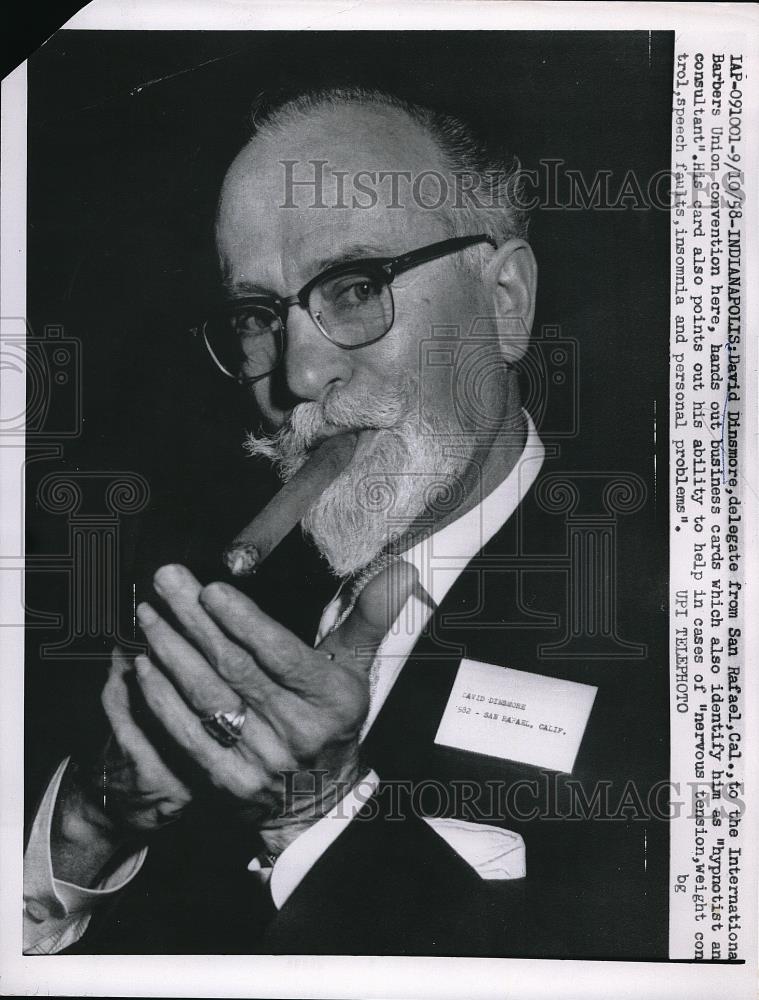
pixel 350 594
pixel 422 605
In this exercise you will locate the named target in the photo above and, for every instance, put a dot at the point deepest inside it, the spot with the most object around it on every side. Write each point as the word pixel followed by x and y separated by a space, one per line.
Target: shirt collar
pixel 441 557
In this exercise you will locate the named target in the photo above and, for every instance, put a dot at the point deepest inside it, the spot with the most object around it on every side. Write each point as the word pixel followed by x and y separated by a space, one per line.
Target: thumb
pixel 378 605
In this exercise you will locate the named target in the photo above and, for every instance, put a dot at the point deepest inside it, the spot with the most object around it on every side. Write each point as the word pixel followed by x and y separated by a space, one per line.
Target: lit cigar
pixel 258 539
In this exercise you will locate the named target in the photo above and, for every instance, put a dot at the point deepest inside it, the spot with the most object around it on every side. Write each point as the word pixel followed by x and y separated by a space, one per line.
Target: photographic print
pixel 384 496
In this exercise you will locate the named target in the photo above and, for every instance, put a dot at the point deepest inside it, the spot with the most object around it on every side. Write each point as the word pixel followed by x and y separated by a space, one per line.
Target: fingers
pixel 180 590
pixel 260 746
pixel 117 706
pixel 129 737
pixel 232 661
pixel 242 774
pixel 180 723
pixel 283 656
pixel 201 685
pixel 378 606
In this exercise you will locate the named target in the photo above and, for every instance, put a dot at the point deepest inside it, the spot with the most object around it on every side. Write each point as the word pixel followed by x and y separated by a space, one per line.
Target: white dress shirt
pixel 56 913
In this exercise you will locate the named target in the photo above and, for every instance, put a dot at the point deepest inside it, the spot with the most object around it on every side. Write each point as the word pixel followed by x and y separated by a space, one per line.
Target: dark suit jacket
pixel 595 886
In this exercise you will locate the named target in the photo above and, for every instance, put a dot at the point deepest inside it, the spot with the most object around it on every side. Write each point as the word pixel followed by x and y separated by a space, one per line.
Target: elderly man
pixel 334 796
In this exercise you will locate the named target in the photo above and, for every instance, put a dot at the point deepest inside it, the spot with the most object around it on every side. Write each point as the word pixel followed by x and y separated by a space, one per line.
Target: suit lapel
pixel 497 612
pixel 401 741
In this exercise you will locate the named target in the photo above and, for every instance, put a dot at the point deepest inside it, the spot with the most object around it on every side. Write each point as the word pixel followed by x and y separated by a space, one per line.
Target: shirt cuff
pixel 56 913
pixel 298 858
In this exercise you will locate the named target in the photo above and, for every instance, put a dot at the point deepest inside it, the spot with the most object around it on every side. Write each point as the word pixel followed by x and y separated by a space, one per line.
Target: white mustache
pixel 310 423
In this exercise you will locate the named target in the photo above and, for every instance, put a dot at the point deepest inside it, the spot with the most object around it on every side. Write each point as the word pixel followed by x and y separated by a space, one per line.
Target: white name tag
pixel 516 715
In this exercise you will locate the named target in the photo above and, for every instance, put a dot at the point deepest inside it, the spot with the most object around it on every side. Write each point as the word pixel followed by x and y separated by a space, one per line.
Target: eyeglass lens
pixel 352 309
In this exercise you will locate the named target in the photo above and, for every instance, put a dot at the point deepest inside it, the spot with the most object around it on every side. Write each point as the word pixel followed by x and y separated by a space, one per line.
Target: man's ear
pixel 511 277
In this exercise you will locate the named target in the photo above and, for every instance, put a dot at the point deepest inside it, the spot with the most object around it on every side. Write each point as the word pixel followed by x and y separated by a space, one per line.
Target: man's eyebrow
pixel 235 288
pixel 345 255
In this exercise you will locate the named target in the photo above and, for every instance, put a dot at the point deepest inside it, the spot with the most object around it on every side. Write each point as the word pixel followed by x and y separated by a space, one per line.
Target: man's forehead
pixel 350 137
pixel 302 194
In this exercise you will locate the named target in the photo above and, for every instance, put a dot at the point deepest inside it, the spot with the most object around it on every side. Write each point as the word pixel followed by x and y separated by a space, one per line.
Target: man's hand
pixel 304 707
pixel 112 802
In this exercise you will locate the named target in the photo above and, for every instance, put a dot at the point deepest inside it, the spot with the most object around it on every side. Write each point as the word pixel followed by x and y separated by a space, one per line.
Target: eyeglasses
pixel 350 303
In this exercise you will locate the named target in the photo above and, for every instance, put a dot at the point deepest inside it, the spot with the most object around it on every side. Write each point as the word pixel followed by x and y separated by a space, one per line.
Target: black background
pixel 129 137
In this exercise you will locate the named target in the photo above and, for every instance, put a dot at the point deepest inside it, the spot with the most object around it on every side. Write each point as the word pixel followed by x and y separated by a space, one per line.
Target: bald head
pixel 334 176
pixel 368 151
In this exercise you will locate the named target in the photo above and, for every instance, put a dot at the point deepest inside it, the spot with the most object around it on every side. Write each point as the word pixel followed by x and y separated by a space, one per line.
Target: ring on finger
pixel 225 727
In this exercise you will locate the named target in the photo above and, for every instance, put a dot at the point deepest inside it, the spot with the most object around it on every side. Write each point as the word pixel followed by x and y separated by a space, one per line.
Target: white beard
pixel 403 473
pixel 373 502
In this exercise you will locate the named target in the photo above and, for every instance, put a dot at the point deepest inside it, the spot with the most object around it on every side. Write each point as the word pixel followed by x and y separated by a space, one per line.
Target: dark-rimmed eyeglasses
pixel 350 303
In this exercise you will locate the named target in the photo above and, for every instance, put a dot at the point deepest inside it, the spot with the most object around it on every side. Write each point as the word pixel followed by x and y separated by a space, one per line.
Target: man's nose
pixel 313 365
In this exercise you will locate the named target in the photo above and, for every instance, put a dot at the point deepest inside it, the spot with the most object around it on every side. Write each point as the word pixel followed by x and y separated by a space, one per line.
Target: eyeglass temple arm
pixel 433 252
